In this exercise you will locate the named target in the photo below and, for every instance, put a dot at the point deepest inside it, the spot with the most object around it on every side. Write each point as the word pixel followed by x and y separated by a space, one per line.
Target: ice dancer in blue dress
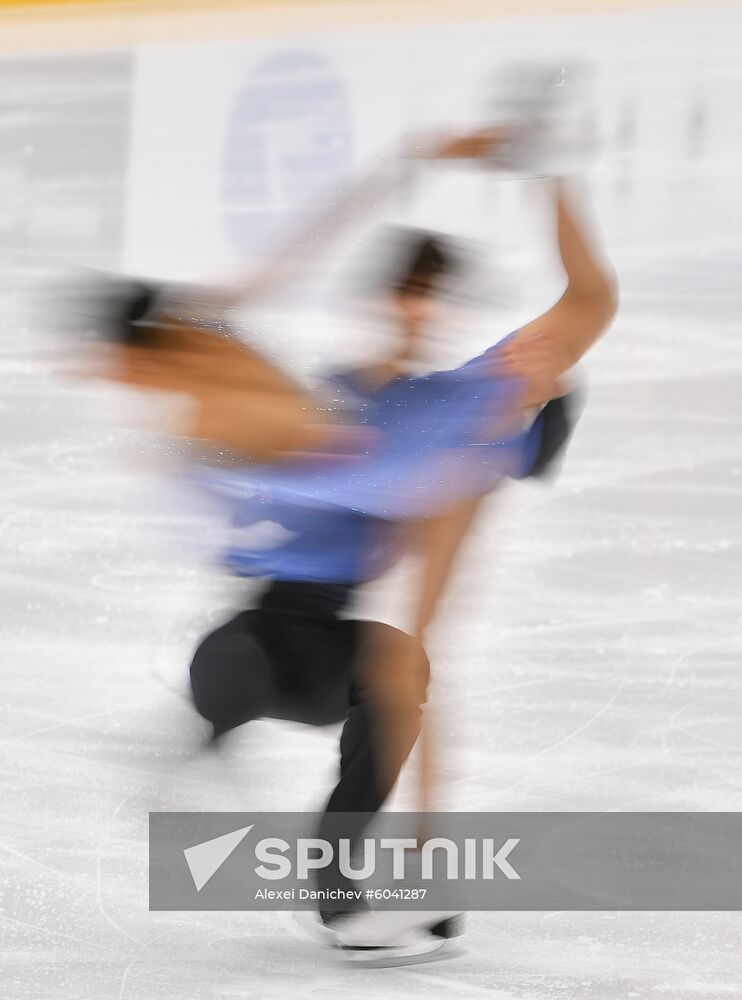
pixel 324 507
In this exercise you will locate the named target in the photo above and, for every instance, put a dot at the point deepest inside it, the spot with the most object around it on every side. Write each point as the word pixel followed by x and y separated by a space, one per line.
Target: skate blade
pixel 389 929
pixel 436 950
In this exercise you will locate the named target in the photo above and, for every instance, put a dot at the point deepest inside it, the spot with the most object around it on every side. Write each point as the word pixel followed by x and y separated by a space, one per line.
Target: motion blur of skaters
pixel 325 490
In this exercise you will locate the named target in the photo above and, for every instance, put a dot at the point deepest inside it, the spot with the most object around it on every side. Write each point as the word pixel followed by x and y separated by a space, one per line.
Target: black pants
pixel 290 660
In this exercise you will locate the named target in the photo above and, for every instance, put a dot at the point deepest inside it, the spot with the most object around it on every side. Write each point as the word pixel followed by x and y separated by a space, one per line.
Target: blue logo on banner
pixel 288 142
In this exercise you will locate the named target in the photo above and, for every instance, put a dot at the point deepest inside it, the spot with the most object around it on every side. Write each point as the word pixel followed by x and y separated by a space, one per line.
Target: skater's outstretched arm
pixel 238 399
pixel 299 247
pixel 544 349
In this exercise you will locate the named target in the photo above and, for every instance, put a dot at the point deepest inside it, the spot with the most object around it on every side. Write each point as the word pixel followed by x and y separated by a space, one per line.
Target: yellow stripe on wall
pixel 64 24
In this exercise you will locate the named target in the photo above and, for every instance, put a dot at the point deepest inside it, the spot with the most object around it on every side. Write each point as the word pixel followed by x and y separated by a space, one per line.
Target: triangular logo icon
pixel 204 860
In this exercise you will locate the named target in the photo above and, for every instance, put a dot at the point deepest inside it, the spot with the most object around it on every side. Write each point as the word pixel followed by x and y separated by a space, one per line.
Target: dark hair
pixel 111 308
pixel 423 264
pixel 129 314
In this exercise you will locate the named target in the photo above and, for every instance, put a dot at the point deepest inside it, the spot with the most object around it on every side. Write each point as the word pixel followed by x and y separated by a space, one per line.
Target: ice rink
pixel 588 657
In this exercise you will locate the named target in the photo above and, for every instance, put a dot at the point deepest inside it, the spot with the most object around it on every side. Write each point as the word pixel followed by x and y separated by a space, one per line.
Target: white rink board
pixel 649 69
